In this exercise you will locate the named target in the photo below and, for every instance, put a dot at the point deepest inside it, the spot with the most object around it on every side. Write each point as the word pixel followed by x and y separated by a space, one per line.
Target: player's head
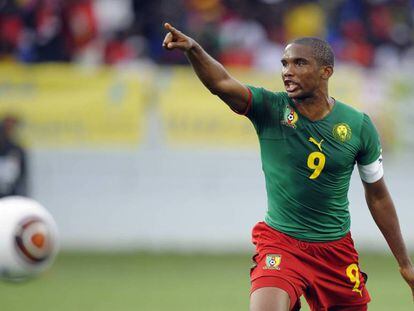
pixel 307 65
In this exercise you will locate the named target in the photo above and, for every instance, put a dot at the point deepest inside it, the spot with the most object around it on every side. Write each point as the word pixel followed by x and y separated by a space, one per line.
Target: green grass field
pixel 161 282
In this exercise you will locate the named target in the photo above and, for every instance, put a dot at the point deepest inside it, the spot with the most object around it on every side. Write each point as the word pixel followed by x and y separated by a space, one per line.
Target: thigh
pixel 273 293
pixel 269 299
pixel 277 264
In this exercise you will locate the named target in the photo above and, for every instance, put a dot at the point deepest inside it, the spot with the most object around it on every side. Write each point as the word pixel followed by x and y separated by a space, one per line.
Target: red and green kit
pixel 308 164
pixel 304 246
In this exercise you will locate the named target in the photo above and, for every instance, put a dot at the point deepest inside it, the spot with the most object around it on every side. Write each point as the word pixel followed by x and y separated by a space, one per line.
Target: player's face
pixel 301 73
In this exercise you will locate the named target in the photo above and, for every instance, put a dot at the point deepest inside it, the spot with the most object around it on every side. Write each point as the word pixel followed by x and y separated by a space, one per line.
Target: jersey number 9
pixel 316 162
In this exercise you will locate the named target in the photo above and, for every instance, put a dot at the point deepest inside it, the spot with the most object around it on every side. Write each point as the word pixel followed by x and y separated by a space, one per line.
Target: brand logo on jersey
pixel 290 117
pixel 273 261
pixel 318 144
pixel 342 132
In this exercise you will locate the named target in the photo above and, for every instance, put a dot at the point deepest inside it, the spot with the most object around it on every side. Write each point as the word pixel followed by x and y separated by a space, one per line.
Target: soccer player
pixel 309 144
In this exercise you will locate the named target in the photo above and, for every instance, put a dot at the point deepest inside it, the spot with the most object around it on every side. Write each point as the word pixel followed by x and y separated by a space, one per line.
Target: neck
pixel 316 107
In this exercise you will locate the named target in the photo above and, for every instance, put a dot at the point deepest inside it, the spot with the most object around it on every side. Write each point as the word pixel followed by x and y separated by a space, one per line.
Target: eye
pixel 284 63
pixel 300 62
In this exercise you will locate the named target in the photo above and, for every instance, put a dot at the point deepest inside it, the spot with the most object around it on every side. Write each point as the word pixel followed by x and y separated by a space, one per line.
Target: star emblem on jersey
pixel 290 117
pixel 273 262
pixel 342 132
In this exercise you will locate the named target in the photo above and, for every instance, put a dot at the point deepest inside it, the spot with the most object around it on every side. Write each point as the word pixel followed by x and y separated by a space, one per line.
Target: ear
pixel 326 72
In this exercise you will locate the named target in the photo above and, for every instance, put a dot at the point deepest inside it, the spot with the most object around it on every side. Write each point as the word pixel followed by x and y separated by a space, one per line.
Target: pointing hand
pixel 175 39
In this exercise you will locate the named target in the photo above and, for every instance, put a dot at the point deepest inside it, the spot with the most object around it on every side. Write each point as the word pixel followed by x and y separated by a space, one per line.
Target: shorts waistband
pixel 305 244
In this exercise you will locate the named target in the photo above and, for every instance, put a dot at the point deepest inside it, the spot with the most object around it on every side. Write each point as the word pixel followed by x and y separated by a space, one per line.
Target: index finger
pixel 170 28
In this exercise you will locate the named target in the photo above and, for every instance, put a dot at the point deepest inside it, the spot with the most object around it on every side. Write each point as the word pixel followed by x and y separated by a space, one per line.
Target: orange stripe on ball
pixel 38 240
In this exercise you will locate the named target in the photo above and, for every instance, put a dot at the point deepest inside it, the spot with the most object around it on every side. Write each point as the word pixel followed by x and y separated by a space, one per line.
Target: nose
pixel 287 71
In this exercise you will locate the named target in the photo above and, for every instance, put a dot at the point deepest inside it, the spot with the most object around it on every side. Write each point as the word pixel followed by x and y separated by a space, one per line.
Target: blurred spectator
pixel 13 163
pixel 238 32
pixel 80 23
pixel 304 20
pixel 11 25
pixel 119 49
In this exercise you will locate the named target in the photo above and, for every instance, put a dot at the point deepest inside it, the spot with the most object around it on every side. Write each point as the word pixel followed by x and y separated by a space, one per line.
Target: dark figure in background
pixel 13 165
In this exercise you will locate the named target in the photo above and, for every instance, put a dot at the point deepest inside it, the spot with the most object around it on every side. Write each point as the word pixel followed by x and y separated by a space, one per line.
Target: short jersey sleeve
pixel 264 107
pixel 370 143
pixel 369 158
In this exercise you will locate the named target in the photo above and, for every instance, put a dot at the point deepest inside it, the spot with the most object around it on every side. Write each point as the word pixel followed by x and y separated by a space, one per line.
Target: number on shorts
pixel 316 162
pixel 353 273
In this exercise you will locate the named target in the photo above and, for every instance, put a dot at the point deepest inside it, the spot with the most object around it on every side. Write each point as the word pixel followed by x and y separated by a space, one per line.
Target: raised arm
pixel 211 73
pixel 383 211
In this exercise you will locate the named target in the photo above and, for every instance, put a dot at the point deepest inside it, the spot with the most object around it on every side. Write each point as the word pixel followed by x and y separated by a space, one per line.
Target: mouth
pixel 291 86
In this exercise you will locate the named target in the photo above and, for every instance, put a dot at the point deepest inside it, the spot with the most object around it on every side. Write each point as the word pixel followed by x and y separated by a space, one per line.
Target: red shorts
pixel 326 273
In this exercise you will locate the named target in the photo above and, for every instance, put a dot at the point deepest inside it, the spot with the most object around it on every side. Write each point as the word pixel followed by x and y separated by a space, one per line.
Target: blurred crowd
pixel 237 32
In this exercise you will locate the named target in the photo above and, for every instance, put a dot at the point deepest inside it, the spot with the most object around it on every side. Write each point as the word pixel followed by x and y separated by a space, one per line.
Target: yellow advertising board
pixel 67 106
pixel 192 115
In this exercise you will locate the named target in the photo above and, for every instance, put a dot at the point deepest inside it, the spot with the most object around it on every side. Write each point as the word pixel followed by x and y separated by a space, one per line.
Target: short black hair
pixel 321 49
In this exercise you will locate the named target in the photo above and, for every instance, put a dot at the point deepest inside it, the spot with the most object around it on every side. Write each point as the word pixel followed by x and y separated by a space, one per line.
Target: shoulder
pixel 357 123
pixel 348 110
pixel 265 106
pixel 262 94
pixel 349 123
pixel 267 101
pixel 354 115
pixel 349 115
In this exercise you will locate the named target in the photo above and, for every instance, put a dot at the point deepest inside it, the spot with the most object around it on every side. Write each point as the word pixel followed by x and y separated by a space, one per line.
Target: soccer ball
pixel 28 238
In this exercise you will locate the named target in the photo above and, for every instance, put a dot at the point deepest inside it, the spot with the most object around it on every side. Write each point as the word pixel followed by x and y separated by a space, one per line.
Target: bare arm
pixel 211 73
pixel 383 211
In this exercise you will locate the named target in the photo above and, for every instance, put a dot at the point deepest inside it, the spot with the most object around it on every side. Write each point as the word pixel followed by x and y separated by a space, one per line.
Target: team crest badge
pixel 342 132
pixel 273 262
pixel 290 117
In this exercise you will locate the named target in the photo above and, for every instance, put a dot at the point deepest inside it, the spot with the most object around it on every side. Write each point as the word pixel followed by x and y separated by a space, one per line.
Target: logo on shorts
pixel 273 261
pixel 290 117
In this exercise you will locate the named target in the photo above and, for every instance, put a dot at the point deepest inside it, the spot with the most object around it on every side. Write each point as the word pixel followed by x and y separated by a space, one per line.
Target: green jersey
pixel 308 164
